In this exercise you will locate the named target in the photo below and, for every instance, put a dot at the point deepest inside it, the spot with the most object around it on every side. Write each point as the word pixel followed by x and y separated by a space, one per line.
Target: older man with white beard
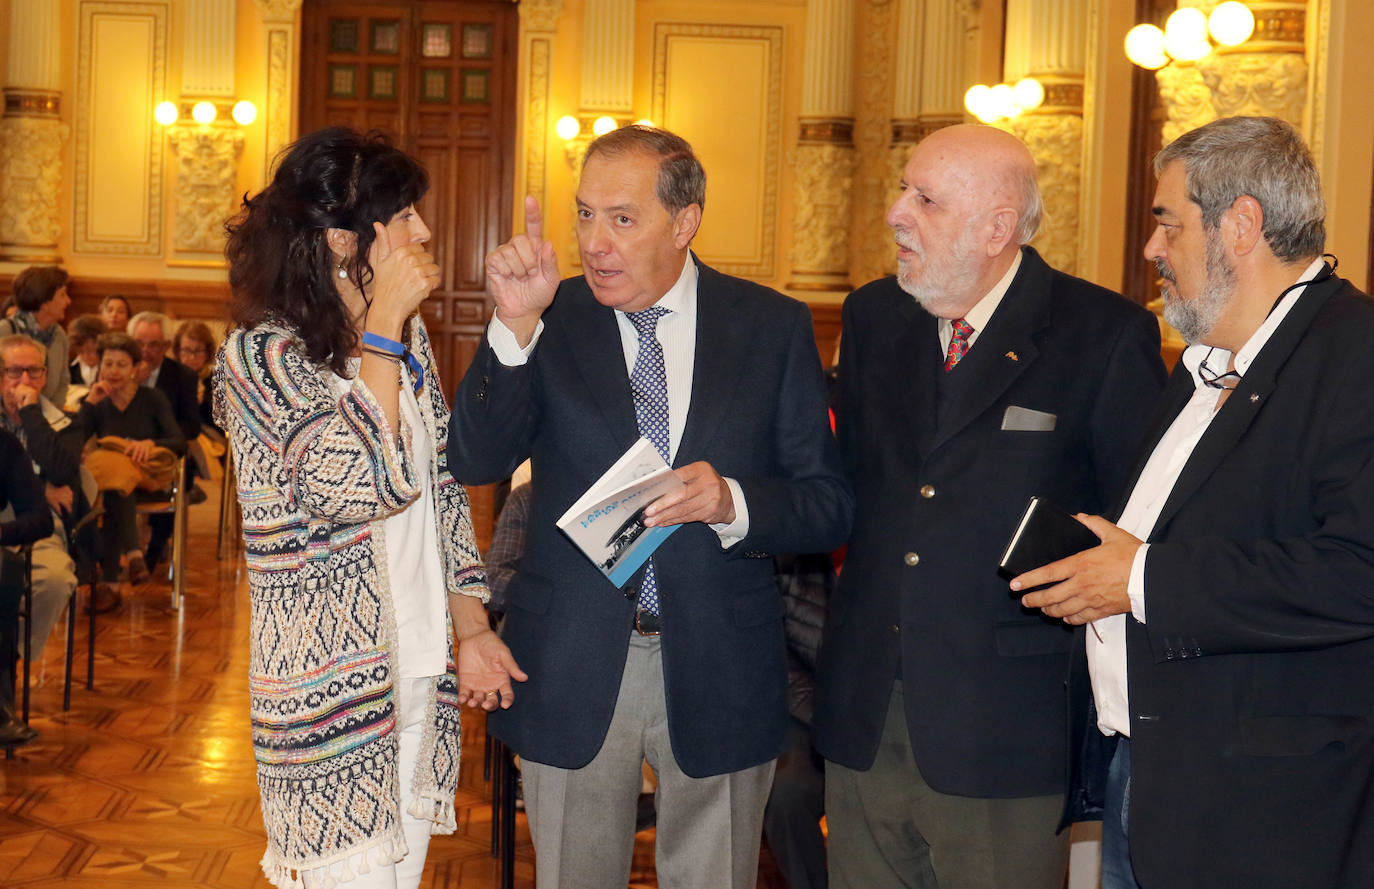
pixel 977 377
pixel 1235 590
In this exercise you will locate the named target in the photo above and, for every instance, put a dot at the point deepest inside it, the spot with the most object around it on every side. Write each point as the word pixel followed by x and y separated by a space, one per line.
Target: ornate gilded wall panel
pixel 704 74
pixel 118 175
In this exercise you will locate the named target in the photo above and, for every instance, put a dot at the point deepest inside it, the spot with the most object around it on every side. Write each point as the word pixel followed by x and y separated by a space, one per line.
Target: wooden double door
pixel 438 76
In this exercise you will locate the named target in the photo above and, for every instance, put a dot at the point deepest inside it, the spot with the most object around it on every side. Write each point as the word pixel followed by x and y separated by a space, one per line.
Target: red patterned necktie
pixel 958 343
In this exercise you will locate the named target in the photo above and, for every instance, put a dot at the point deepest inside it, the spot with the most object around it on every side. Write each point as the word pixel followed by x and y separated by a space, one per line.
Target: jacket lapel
pixel 721 358
pixel 594 341
pixel 1246 401
pixel 1003 351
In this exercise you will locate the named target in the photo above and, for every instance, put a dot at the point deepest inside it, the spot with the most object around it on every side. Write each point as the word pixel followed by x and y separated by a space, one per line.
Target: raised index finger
pixel 534 221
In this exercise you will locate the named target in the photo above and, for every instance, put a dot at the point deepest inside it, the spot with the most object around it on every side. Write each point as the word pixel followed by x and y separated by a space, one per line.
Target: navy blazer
pixel 758 414
pixel 940 486
pixel 1252 705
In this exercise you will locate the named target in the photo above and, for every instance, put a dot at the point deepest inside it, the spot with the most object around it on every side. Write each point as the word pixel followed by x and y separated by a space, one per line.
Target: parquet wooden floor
pixel 148 779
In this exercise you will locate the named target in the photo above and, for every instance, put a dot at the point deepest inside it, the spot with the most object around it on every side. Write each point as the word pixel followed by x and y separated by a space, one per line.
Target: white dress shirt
pixel 981 313
pixel 1107 652
pixel 676 333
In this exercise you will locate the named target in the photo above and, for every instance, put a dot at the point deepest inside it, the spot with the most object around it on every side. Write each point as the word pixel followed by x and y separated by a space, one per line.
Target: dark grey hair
pixel 1262 157
pixel 681 179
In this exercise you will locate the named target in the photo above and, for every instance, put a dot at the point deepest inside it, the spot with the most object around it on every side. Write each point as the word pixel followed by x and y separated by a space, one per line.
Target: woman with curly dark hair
pixel 356 534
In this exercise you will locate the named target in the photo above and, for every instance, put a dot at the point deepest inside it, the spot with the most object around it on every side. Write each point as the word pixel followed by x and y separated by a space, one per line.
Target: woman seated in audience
pixel 194 346
pixel 115 312
pixel 141 415
pixel 83 335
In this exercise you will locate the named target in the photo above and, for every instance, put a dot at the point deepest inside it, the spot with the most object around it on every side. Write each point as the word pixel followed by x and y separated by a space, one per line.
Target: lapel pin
pixel 1254 397
pixel 1013 356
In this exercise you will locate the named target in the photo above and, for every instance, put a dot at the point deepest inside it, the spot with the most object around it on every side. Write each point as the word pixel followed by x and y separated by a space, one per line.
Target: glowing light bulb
pixel 603 125
pixel 1003 101
pixel 1185 35
pixel 245 113
pixel 1145 47
pixel 203 112
pixel 976 100
pixel 567 127
pixel 1231 23
pixel 1028 93
pixel 165 113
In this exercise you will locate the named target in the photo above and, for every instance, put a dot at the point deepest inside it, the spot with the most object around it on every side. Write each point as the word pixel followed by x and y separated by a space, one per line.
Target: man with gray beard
pixel 975 378
pixel 1235 590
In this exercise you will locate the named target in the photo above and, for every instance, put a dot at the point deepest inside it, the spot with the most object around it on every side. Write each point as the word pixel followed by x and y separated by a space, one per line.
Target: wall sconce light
pixel 1185 33
pixel 205 113
pixel 577 132
pixel 1004 101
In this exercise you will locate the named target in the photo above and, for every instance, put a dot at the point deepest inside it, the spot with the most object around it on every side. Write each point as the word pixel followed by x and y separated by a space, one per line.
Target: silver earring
pixel 341 272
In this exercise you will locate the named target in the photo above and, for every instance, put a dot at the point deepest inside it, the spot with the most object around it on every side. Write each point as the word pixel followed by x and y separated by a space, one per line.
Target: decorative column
pixel 1266 75
pixel 823 161
pixel 538 23
pixel 207 155
pixel 283 53
pixel 32 134
pixel 931 66
pixel 870 241
pixel 1047 40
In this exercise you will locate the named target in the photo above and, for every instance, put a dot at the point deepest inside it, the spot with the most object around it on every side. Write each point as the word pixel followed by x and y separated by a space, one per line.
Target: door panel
pixel 438 77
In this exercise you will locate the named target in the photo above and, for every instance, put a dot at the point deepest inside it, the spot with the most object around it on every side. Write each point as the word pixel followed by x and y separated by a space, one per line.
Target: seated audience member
pixel 152 331
pixel 115 311
pixel 21 493
pixel 792 819
pixel 52 442
pixel 8 307
pixel 118 406
pixel 41 294
pixel 83 335
pixel 194 346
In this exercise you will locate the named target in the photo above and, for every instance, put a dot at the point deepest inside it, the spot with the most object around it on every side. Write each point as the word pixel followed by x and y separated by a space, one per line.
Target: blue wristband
pixel 391 347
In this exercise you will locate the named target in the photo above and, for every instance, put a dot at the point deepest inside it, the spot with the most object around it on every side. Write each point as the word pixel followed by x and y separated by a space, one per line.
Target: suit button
pixel 911 559
pixel 927 491
pixel 896 629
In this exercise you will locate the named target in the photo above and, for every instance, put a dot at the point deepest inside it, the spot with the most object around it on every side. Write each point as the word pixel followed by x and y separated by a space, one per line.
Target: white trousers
pixel 404 874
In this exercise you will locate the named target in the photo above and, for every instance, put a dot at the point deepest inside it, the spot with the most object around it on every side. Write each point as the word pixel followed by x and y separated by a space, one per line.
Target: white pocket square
pixel 1023 419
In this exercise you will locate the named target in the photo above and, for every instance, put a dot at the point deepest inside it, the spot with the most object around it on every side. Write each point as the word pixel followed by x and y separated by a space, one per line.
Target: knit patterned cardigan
pixel 317 475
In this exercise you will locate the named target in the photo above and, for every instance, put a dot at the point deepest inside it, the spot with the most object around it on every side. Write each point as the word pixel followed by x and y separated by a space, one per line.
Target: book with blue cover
pixel 607 522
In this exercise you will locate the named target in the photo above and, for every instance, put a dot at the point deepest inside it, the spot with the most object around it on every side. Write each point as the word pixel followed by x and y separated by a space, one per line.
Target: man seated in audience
pixel 118 406
pixel 153 333
pixel 21 495
pixel 82 334
pixel 40 292
pixel 53 444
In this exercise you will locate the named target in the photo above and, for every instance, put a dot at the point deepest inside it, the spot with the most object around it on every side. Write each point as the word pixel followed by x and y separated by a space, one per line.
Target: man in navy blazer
pixel 1233 599
pixel 694 682
pixel 940 705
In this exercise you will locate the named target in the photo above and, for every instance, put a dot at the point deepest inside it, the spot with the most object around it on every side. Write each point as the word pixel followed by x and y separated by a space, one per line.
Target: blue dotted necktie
pixel 649 385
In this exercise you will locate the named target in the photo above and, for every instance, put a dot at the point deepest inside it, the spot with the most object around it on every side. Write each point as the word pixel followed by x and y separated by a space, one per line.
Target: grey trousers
pixel 888 828
pixel 582 820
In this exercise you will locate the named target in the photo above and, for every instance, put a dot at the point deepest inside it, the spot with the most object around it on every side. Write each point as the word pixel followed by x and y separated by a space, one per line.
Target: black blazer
pixel 758 414
pixel 1252 703
pixel 178 383
pixel 938 495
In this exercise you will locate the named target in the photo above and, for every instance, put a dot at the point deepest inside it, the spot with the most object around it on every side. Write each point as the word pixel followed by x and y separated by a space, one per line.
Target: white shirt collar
pixel 1218 359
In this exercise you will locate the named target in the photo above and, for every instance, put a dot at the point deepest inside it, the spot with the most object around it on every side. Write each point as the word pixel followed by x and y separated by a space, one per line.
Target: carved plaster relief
pixel 824 192
pixel 30 178
pixel 871 253
pixel 1056 141
pixel 207 158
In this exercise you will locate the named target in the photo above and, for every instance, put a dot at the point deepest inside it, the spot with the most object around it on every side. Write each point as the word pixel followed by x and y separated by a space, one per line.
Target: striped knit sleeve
pixel 335 455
